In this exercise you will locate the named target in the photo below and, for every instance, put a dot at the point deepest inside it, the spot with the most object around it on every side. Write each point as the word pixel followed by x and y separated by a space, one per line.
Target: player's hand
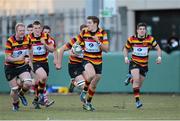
pixel 126 60
pixel 72 53
pixel 95 38
pixel 43 41
pixel 20 58
pixel 158 60
pixel 27 60
pixel 58 66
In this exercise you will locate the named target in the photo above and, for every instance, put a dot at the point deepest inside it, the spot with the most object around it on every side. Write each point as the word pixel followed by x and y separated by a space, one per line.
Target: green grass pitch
pixel 108 107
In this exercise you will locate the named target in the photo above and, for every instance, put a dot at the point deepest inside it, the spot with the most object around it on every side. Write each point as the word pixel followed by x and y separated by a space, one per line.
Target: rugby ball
pixel 77 49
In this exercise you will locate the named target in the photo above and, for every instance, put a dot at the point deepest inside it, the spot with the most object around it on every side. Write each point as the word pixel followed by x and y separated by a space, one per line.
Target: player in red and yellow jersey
pixel 75 67
pixel 95 41
pixel 47 29
pixel 47 103
pixel 17 65
pixel 140 44
pixel 41 45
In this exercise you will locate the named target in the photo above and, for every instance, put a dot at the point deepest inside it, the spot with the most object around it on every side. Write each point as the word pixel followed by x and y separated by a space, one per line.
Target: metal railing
pixel 64 24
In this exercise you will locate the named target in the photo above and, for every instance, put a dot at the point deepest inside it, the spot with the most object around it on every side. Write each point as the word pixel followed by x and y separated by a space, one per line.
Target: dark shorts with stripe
pixel 44 65
pixel 143 70
pixel 14 71
pixel 98 68
pixel 75 69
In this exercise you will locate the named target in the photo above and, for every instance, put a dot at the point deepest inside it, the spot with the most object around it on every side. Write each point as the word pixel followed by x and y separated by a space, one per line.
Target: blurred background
pixel 119 19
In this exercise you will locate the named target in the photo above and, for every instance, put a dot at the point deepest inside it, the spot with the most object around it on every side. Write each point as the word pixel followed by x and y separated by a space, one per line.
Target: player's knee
pixel 93 86
pixel 136 79
pixel 92 76
pixel 43 79
pixel 98 77
pixel 27 83
pixel 14 90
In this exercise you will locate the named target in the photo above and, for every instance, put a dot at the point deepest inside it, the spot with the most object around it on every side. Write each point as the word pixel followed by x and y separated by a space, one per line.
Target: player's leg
pixel 14 94
pixel 46 102
pixel 42 76
pixel 79 82
pixel 26 81
pixel 72 85
pixel 91 92
pixel 41 73
pixel 88 74
pixel 32 88
pixel 93 85
pixel 128 79
pixel 11 76
pixel 136 86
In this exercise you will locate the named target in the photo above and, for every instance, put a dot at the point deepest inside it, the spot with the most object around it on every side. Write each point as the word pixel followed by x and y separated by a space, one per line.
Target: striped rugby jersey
pixel 92 51
pixel 140 48
pixel 40 53
pixel 16 48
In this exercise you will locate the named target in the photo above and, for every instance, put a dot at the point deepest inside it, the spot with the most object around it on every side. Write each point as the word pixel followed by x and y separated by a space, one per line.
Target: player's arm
pixel 104 44
pixel 31 57
pixel 159 54
pixel 126 51
pixel 159 51
pixel 48 45
pixel 60 57
pixel 55 55
pixel 8 53
pixel 9 58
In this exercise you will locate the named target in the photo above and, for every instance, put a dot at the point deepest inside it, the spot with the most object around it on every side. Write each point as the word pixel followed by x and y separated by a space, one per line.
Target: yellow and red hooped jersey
pixel 16 48
pixel 74 59
pixel 39 51
pixel 140 48
pixel 92 51
pixel 53 42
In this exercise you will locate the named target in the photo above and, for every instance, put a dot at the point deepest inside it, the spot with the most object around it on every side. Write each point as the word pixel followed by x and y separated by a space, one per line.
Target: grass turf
pixel 108 107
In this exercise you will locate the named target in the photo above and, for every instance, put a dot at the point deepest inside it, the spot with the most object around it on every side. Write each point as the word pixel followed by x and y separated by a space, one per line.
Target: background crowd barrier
pixel 162 78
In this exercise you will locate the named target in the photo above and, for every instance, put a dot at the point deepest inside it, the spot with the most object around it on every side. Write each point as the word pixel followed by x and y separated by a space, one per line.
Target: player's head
pixel 141 29
pixel 37 28
pixel 29 28
pixel 20 30
pixel 92 23
pixel 46 29
pixel 82 27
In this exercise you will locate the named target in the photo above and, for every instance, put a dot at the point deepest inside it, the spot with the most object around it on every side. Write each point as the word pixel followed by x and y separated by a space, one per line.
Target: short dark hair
pixel 83 26
pixel 36 22
pixel 141 24
pixel 46 27
pixel 29 26
pixel 95 19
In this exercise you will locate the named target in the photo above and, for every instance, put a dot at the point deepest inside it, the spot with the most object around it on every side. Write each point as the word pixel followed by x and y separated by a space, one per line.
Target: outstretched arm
pixel 125 52
pixel 159 54
pixel 60 57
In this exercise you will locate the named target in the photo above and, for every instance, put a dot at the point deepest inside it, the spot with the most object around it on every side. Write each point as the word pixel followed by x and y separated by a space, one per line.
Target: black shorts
pixel 38 65
pixel 143 70
pixel 75 69
pixel 12 72
pixel 98 68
